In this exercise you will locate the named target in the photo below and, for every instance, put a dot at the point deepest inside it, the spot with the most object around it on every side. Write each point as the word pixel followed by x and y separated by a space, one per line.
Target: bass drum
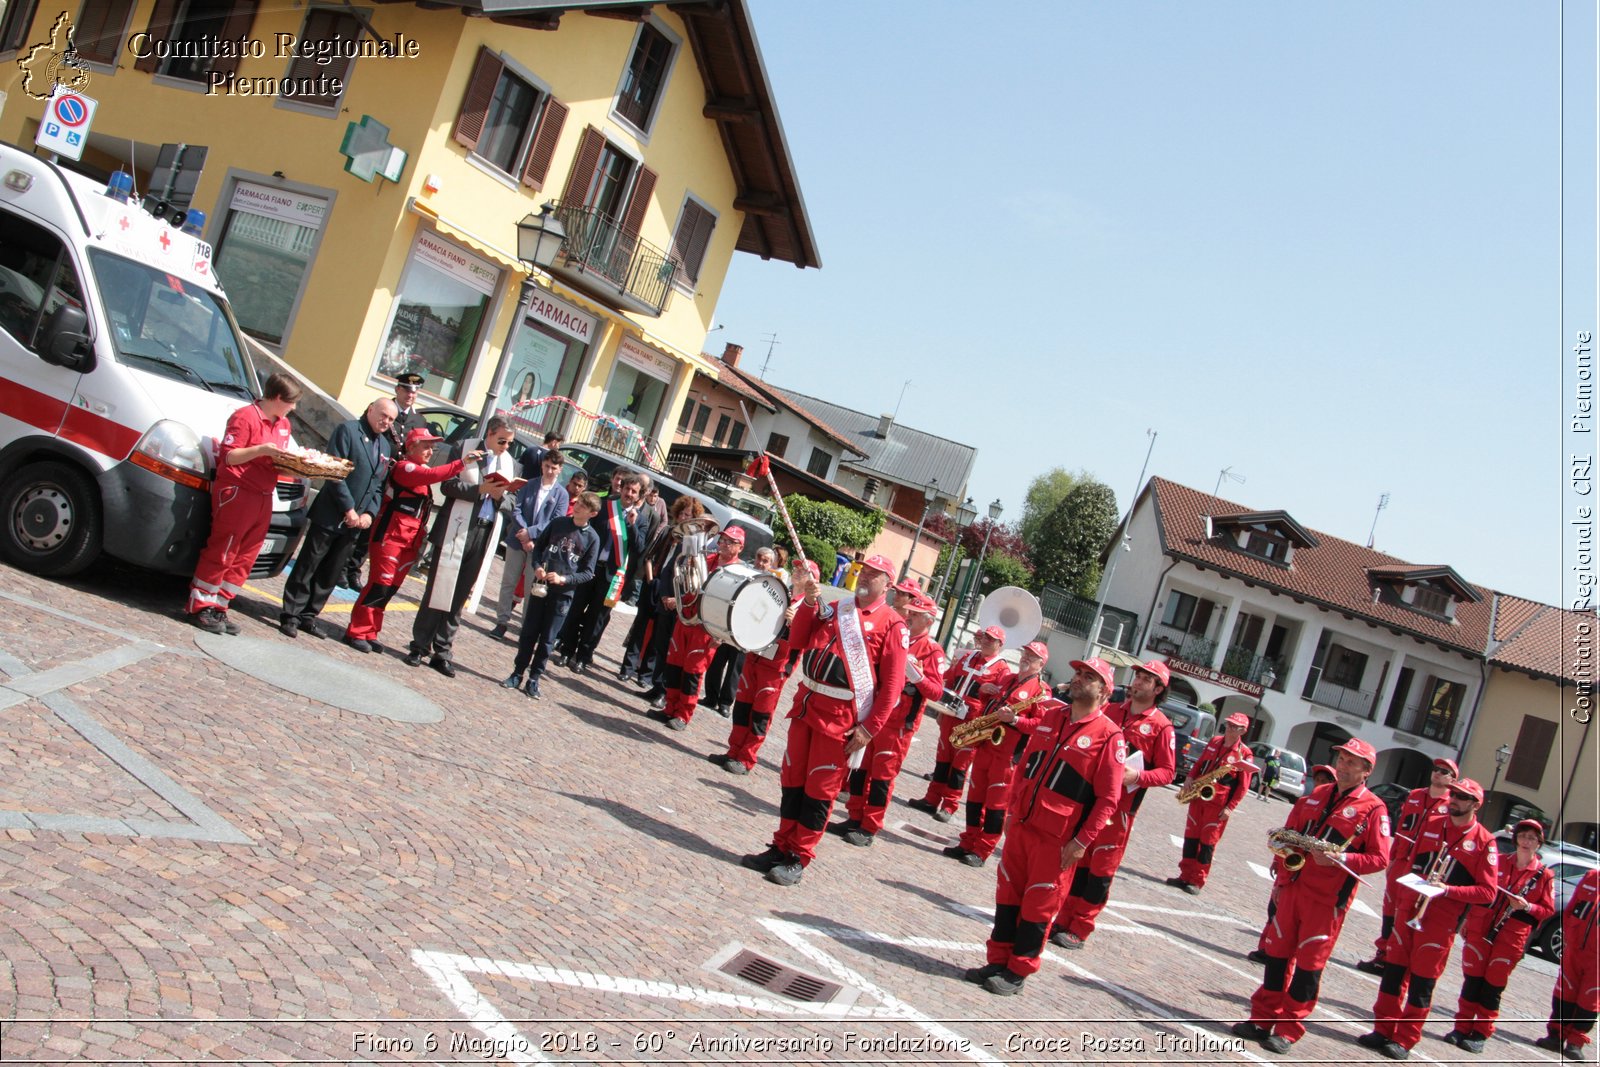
pixel 743 606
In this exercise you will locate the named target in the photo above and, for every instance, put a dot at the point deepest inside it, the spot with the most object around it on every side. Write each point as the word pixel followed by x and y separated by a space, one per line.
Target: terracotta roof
pixel 775 395
pixel 1427 571
pixel 1334 574
pixel 1511 614
pixel 1544 644
pixel 730 378
pixel 1281 519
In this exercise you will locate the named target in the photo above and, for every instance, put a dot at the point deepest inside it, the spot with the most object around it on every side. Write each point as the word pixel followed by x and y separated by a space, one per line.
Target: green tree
pixel 1045 492
pixel 827 523
pixel 1067 551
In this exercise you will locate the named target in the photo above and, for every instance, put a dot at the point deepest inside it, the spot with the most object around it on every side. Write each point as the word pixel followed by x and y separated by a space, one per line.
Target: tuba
pixel 988 727
pixel 689 568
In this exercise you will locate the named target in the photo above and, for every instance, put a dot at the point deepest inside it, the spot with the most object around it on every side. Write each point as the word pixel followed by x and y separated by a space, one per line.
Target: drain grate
pixel 780 978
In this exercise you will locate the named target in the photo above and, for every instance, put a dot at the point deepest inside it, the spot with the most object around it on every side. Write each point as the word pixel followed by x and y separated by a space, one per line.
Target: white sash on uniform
pixel 458 517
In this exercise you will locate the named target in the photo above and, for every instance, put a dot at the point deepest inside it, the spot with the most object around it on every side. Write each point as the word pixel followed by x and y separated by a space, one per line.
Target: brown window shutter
pixel 544 143
pixel 644 186
pixel 323 24
pixel 160 29
pixel 692 238
pixel 583 165
pixel 475 105
pixel 240 19
pixel 99 29
pixel 1531 753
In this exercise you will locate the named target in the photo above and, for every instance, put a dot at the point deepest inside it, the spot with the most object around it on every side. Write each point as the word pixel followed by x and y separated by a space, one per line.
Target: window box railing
pixel 1243 663
pixel 1419 720
pixel 1171 641
pixel 612 263
pixel 1337 697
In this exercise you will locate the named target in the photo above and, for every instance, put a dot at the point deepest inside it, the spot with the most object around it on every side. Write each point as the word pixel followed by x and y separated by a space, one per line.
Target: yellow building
pixel 650 127
pixel 1532 742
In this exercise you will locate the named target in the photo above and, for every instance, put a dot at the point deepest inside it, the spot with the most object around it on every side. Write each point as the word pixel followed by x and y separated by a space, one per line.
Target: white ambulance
pixel 120 363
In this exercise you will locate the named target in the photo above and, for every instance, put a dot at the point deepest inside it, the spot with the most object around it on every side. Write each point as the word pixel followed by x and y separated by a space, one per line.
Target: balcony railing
pixel 1340 698
pixel 1417 721
pixel 614 264
pixel 558 414
pixel 1171 641
pixel 1243 663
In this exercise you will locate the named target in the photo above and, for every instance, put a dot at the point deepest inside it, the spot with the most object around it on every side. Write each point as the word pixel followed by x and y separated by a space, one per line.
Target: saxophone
pixel 1293 847
pixel 989 727
pixel 1204 787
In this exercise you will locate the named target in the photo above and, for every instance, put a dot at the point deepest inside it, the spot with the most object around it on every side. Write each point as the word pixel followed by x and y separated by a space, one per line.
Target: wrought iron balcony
pixel 1420 719
pixel 1339 698
pixel 613 264
pixel 1171 641
pixel 1243 663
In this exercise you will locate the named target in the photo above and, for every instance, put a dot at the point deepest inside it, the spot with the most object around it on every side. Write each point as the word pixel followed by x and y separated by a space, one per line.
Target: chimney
pixel 884 422
pixel 731 354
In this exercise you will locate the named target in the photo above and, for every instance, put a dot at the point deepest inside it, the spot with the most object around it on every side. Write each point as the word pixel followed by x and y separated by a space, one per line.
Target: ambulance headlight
pixel 173 450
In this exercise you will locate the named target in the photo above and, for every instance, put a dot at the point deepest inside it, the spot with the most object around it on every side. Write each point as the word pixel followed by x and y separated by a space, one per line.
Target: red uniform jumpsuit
pixel 989 790
pixel 1205 823
pixel 824 714
pixel 1417 809
pixel 1313 901
pixel 1576 999
pixel 966 676
pixel 756 698
pixel 1488 956
pixel 688 655
pixel 1416 958
pixel 397 537
pixel 1151 735
pixel 872 784
pixel 1067 787
pixel 241 510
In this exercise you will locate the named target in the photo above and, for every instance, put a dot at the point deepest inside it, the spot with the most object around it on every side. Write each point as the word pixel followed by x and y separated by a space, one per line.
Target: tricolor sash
pixel 853 643
pixel 619 552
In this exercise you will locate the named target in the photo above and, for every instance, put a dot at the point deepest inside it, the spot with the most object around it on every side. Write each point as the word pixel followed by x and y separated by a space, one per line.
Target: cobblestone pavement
pixel 200 867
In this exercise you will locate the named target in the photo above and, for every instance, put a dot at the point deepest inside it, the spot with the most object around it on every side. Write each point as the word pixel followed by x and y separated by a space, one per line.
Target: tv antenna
pixel 1226 474
pixel 1383 502
pixel 771 340
pixel 902 400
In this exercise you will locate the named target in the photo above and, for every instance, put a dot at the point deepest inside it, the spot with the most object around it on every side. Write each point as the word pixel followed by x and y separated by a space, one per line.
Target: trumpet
pixel 989 727
pixel 1438 871
pixel 1293 847
pixel 1204 787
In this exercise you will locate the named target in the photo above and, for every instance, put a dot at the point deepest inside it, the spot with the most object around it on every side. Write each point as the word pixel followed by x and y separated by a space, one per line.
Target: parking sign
pixel 65 126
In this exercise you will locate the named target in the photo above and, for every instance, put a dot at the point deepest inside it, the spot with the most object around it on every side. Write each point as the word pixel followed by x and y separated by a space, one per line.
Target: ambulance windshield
pixel 168 326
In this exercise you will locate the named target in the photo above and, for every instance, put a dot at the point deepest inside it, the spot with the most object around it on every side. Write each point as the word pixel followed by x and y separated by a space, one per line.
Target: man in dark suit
pixel 406 419
pixel 537 503
pixel 620 541
pixel 340 517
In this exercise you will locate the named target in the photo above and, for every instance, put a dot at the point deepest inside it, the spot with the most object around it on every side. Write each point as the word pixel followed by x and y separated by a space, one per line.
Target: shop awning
pixel 481 245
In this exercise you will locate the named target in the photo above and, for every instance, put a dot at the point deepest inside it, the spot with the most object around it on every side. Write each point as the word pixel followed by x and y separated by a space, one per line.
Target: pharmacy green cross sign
pixel 369 153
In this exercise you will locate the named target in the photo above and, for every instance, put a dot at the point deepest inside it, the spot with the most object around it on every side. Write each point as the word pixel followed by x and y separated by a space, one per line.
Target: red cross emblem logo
pixel 124 223
pixel 166 242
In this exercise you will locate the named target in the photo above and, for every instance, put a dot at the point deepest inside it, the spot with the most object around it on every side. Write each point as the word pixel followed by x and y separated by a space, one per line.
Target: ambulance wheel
pixel 50 519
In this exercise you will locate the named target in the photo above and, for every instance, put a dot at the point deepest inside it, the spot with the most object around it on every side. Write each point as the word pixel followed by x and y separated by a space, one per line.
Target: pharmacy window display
pixel 439 314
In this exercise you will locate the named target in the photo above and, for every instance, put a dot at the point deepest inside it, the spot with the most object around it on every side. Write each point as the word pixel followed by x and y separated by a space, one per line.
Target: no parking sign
pixel 65 126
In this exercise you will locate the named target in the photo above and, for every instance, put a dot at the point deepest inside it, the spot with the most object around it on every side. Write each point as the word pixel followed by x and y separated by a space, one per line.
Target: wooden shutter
pixel 691 239
pixel 323 24
pixel 160 29
pixel 644 186
pixel 583 165
pixel 1531 753
pixel 240 20
pixel 544 143
pixel 475 105
pixel 99 29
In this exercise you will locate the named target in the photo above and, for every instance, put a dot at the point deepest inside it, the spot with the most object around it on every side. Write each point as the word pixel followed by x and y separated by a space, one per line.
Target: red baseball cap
pixel 1097 666
pixel 421 433
pixel 1038 648
pixel 1322 768
pixel 908 586
pixel 1447 765
pixel 1157 668
pixel 923 604
pixel 1238 719
pixel 816 571
pixel 1529 824
pixel 1360 750
pixel 1467 788
pixel 993 633
pixel 733 533
pixel 878 563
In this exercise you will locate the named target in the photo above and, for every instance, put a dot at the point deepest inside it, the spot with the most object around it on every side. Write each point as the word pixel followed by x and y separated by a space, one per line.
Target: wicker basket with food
pixel 309 463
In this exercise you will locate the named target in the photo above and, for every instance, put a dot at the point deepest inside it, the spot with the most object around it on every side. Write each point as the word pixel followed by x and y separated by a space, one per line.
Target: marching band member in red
pixel 872 784
pixel 398 534
pixel 1311 901
pixel 1495 934
pixel 691 648
pixel 1576 1000
pixel 1207 819
pixel 904 592
pixel 1147 731
pixel 1421 805
pixel 241 502
pixel 756 698
pixel 974 678
pixel 1454 851
pixel 1067 787
pixel 852 671
pixel 989 788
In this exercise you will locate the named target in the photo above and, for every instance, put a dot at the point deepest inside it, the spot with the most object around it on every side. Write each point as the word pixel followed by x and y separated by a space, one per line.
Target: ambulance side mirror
pixel 64 340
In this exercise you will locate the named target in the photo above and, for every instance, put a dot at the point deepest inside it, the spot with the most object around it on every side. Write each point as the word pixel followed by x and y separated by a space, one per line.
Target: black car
pixel 1392 796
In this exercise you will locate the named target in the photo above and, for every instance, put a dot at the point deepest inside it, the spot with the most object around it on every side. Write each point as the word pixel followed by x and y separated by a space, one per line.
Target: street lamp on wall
pixel 1501 754
pixel 539 239
pixel 929 495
